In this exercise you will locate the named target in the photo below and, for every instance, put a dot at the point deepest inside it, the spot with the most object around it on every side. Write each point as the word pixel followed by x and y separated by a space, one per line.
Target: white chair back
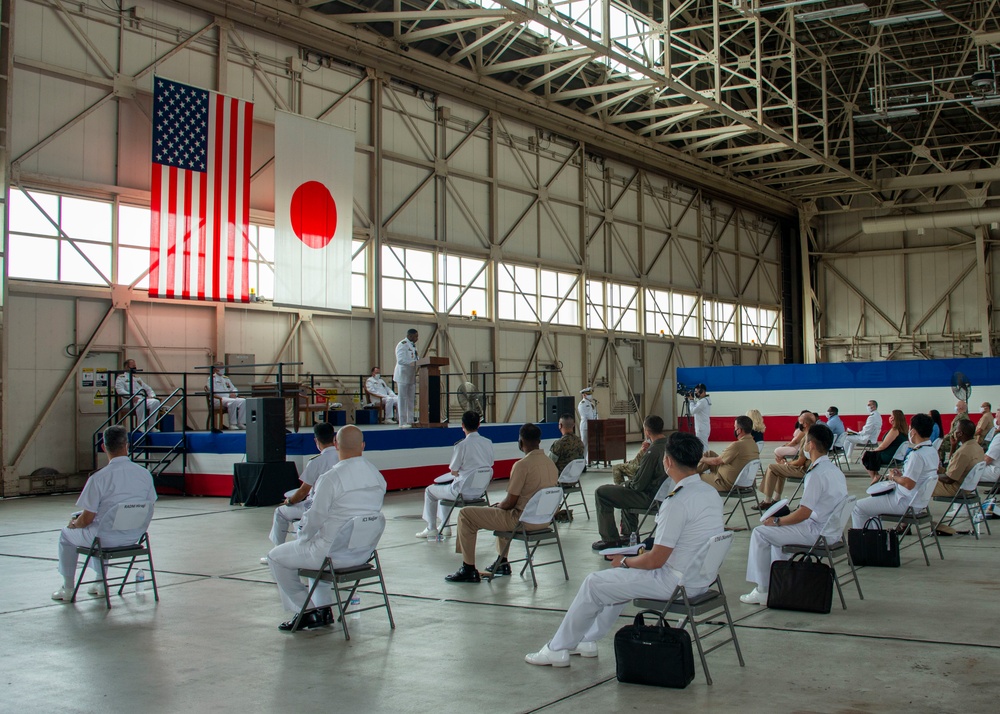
pixel 760 447
pixel 937 443
pixel 971 480
pixel 839 440
pixel 477 483
pixel 922 494
pixel 748 474
pixel 542 507
pixel 664 490
pixel 356 540
pixel 572 472
pixel 901 451
pixel 989 435
pixel 129 516
pixel 708 561
pixel 833 529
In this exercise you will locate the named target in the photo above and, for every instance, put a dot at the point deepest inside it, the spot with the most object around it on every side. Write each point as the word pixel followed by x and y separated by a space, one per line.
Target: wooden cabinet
pixel 606 440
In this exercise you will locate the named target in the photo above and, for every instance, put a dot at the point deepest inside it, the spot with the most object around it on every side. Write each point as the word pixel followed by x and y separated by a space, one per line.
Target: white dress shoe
pixel 265 561
pixel 95 589
pixel 406 426
pixel 64 594
pixel 428 533
pixel 585 649
pixel 754 597
pixel 545 656
pixel 446 532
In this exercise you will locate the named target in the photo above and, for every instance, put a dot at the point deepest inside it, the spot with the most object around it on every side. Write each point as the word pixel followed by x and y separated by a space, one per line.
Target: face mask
pixel 830 416
pixel 377 375
pixel 871 409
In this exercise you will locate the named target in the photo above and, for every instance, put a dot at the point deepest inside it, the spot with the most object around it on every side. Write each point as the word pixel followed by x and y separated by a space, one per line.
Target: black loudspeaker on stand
pixel 555 407
pixel 265 430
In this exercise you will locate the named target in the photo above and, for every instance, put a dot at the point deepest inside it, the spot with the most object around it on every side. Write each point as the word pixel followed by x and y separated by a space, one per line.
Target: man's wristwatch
pixel 777 520
pixel 624 563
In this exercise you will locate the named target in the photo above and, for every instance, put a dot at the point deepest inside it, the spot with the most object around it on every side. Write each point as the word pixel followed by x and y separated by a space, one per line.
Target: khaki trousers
pixel 774 478
pixel 473 519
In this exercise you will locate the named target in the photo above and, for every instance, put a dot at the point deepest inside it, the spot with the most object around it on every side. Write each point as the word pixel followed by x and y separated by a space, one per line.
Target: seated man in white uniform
pixel 130 387
pixel 225 393
pixel 120 481
pixel 688 517
pixel 472 453
pixel 991 472
pixel 354 487
pixel 380 393
pixel 920 464
pixel 296 505
pixel 825 489
pixel 869 432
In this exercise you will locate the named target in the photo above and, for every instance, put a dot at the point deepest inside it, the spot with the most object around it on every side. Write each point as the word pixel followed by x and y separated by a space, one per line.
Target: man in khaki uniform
pixel 985 424
pixel 528 476
pixel 774 477
pixel 962 460
pixel 721 472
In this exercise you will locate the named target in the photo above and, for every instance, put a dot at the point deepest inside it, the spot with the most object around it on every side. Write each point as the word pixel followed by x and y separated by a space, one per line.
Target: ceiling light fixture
pixel 894 114
pixel 907 19
pixel 986 102
pixel 986 38
pixel 830 13
pixel 786 5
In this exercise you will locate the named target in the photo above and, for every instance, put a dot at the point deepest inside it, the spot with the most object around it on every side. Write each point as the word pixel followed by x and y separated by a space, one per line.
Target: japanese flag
pixel 313 212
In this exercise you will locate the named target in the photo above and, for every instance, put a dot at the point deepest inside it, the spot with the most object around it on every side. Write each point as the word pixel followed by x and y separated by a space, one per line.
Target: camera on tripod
pixel 685 391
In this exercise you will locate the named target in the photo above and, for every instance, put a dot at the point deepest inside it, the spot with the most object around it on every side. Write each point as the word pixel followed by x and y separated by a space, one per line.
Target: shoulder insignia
pixel 674 492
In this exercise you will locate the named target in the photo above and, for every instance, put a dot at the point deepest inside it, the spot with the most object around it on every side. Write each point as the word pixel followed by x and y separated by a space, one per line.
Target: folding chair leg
pixel 385 595
pixel 447 518
pixel 79 579
pixel 305 603
pixel 920 538
pixel 152 570
pixel 836 578
pixel 729 621
pixel 530 556
pixel 697 639
pixel 583 500
pixel 937 542
pixel 496 563
pixel 562 558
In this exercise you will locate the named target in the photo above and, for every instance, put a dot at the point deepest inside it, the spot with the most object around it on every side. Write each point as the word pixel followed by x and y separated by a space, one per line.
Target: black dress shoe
pixel 502 569
pixel 310 621
pixel 602 544
pixel 464 575
pixel 327 614
pixel 762 506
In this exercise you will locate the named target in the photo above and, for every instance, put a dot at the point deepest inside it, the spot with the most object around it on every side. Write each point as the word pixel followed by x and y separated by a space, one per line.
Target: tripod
pixel 685 417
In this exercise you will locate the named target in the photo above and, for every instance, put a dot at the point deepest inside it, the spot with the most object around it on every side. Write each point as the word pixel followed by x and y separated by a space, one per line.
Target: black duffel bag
pixel 873 545
pixel 657 655
pixel 803 583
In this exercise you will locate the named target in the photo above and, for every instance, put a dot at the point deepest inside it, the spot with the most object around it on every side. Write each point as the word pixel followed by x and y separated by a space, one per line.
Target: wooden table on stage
pixel 429 381
pixel 606 440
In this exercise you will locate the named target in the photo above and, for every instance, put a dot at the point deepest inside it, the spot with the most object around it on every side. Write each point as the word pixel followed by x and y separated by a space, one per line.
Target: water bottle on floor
pixel 355 603
pixel 140 582
pixel 633 540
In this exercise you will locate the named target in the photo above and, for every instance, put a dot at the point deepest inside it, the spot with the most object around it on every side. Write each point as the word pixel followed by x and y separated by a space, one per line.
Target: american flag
pixel 198 246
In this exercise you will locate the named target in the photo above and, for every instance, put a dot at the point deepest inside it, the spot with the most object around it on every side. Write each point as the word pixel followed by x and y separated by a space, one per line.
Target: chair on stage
pixel 966 497
pixel 652 509
pixel 128 516
pixel 834 548
pixel 743 490
pixel 918 516
pixel 540 510
pixel 308 400
pixel 701 609
pixel 360 535
pixel 473 494
pixel 216 412
pixel 569 481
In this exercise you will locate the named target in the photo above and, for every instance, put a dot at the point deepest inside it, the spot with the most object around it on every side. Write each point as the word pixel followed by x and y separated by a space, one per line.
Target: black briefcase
pixel 803 583
pixel 657 655
pixel 873 546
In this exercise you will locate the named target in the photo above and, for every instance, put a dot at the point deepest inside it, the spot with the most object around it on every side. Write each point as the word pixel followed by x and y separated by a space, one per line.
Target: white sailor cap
pixel 587 390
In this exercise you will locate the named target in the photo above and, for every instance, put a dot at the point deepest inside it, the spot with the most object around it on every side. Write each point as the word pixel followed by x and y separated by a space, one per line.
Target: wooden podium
pixel 605 440
pixel 429 381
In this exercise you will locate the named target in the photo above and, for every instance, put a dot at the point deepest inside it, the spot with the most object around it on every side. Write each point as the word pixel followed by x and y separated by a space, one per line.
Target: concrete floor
pixel 923 640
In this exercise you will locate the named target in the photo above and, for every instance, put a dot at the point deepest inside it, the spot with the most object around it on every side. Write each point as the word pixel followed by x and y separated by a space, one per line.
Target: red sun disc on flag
pixel 314 214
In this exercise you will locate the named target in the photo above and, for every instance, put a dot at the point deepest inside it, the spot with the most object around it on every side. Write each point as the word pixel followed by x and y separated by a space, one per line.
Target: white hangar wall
pixel 591 265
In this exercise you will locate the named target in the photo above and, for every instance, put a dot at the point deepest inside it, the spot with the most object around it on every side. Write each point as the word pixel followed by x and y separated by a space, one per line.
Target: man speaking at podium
pixel 405 375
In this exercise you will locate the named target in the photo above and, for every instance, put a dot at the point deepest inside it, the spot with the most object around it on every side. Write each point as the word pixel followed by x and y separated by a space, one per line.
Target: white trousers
pixel 391 406
pixel 765 548
pixel 873 506
pixel 703 438
pixel 583 438
pixel 283 518
pixel 433 510
pixel 407 399
pixel 146 406
pixel 851 441
pixel 71 538
pixel 237 407
pixel 601 599
pixel 285 561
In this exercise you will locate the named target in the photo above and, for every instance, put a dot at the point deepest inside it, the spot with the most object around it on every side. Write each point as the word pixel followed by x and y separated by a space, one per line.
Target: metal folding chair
pixel 832 543
pixel 540 510
pixel 473 494
pixel 360 535
pixel 966 497
pixel 837 450
pixel 743 489
pixel 918 515
pixel 569 481
pixel 701 609
pixel 128 516
pixel 897 459
pixel 653 508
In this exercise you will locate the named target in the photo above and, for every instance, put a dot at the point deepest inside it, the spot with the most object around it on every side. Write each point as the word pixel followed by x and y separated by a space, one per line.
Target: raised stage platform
pixel 407 458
